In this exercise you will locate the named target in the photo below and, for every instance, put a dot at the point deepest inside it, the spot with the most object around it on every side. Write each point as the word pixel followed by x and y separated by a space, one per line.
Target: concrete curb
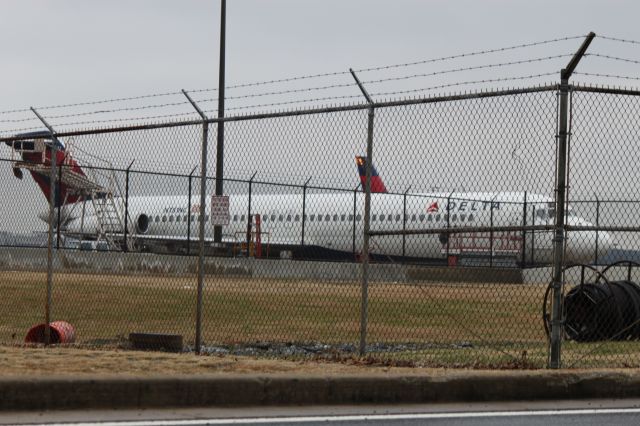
pixel 268 390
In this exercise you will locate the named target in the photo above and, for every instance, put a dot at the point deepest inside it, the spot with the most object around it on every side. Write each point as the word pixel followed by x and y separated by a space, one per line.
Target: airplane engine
pixel 142 223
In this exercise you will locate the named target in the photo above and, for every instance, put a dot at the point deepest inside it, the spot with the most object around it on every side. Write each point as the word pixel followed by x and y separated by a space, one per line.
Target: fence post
pixel 557 325
pixel 404 221
pixel 58 194
pixel 355 212
pixel 203 204
pixel 533 234
pixel 491 235
pixel 126 207
pixel 52 205
pixel 304 207
pixel 524 231
pixel 249 218
pixel 189 213
pixel 597 226
pixel 367 214
pixel 448 211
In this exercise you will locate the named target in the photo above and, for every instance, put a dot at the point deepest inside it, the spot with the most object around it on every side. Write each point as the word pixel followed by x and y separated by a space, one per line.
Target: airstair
pixel 99 186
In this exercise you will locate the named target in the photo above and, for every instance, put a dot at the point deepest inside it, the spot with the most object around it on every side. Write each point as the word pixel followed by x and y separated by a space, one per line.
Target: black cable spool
pixel 600 310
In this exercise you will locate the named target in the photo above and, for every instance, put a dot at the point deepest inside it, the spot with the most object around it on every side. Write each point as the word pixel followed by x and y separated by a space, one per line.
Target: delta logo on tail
pixel 377 186
pixel 433 208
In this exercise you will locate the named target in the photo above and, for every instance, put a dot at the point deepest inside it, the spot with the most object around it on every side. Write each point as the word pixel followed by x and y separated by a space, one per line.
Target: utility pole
pixel 217 230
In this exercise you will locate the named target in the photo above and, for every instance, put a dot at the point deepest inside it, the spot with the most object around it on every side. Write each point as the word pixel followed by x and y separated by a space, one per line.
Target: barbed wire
pixel 622 40
pixel 464 55
pixel 20 120
pixel 464 83
pixel 104 101
pixel 23 129
pixel 273 104
pixel 282 92
pixel 622 77
pixel 295 78
pixel 282 80
pixel 475 67
pixel 615 58
pixel 300 101
pixel 109 111
pixel 113 120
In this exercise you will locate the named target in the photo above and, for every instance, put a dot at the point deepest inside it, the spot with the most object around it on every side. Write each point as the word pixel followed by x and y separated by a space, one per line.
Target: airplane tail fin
pixel 35 150
pixel 377 186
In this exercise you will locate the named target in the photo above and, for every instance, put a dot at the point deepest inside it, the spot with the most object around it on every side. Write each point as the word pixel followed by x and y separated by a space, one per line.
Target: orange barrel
pixel 61 332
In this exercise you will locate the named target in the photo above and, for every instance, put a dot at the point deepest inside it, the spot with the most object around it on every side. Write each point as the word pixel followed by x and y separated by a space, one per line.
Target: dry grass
pixel 460 323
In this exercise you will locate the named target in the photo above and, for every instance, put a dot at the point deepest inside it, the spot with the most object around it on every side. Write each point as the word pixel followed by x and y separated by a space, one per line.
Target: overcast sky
pixel 69 51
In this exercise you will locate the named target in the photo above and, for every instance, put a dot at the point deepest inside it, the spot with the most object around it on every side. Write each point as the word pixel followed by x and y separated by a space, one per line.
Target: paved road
pixel 582 413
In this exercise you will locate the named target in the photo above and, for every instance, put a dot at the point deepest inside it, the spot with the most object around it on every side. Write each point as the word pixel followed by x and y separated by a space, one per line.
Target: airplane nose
pixel 582 245
pixel 605 243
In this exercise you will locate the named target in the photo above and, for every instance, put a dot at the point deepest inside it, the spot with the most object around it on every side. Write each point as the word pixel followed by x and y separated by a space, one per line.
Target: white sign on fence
pixel 220 210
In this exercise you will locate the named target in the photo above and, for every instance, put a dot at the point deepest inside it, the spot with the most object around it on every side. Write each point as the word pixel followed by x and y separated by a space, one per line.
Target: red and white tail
pixel 377 186
pixel 35 150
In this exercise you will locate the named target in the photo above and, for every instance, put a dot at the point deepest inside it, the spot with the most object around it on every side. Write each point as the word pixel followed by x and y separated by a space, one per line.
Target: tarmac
pixel 130 392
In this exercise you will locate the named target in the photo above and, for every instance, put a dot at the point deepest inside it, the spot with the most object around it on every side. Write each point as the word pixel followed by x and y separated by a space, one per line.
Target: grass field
pixel 435 324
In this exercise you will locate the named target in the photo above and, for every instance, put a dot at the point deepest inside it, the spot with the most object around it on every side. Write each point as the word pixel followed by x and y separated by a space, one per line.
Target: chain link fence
pixel 452 265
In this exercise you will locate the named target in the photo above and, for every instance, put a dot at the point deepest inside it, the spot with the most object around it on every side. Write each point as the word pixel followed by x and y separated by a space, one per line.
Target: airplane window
pixel 438 217
pixel 463 217
pixel 454 217
pixel 398 218
pixel 185 218
pixel 413 218
pixel 288 218
pixel 327 218
pixel 430 218
pixel 350 218
pixel 280 218
pixel 335 217
pixel 171 218
pixel 157 219
pixel 242 218
pixel 374 217
pixel 235 217
pixel 297 218
pixel 273 218
pixel 164 219
pixel 358 218
pixel 390 217
pixel 178 218
pixel 193 218
pixel 470 217
pixel 312 217
pixel 381 218
pixel 343 217
pixel 422 218
pixel 304 217
pixel 206 218
pixel 446 217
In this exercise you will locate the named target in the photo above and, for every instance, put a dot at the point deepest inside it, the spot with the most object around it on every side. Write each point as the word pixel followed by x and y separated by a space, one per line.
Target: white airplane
pixel 332 222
